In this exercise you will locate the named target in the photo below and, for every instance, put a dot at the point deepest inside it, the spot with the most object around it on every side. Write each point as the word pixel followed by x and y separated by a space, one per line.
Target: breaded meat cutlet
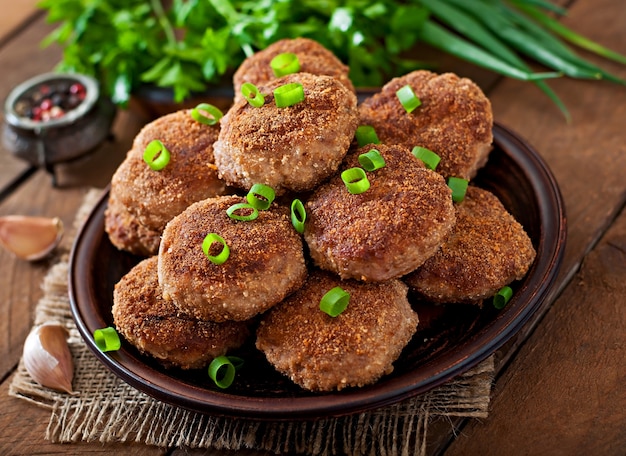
pixel 385 232
pixel 155 197
pixel 313 57
pixel 487 250
pixel 454 120
pixel 158 328
pixel 355 348
pixel 266 261
pixel 292 148
pixel 126 233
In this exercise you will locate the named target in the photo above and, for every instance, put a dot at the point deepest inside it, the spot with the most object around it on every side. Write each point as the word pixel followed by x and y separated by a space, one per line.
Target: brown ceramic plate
pixel 450 339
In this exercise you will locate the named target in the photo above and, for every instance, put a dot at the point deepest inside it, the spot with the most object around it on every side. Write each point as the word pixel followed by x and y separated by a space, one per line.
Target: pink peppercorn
pixel 45 104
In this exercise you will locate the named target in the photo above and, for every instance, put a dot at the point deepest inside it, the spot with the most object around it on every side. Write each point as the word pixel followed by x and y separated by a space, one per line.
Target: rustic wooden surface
pixel 560 388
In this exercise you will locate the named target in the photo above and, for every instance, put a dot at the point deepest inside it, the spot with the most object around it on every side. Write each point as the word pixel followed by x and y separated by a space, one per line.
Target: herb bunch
pixel 187 45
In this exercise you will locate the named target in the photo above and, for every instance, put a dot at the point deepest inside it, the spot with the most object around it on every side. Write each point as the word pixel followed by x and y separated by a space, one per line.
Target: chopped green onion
pixel 236 361
pixel 298 215
pixel 365 134
pixel 156 155
pixel 252 94
pixel 502 297
pixel 207 114
pixel 107 339
pixel 430 159
pixel 285 63
pixel 288 94
pixel 458 187
pixel 334 301
pixel 261 196
pixel 356 181
pixel 372 160
pixel 222 371
pixel 408 99
pixel 207 244
pixel 242 211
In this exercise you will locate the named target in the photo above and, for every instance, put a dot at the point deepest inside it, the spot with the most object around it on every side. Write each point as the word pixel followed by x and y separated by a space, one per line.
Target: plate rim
pixel 552 237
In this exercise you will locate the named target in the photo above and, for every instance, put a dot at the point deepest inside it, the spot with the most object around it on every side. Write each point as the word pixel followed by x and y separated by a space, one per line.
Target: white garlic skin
pixel 30 238
pixel 47 357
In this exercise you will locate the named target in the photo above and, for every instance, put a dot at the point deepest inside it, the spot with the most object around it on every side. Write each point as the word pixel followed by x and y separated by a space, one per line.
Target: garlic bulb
pixel 47 357
pixel 30 238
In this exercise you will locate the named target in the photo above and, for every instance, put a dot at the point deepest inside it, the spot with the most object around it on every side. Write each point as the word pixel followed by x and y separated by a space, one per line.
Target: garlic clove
pixel 47 357
pixel 30 238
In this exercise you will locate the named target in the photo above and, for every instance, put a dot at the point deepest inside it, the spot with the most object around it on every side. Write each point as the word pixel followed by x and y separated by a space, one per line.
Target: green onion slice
pixel 252 94
pixel 298 215
pixel 372 160
pixel 334 301
pixel 408 99
pixel 261 196
pixel 285 63
pixel 430 159
pixel 207 244
pixel 356 181
pixel 222 371
pixel 288 94
pixel 365 134
pixel 458 187
pixel 236 361
pixel 156 155
pixel 242 211
pixel 107 339
pixel 502 297
pixel 207 114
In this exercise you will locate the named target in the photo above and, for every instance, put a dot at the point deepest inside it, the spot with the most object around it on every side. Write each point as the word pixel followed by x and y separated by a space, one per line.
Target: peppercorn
pixel 50 101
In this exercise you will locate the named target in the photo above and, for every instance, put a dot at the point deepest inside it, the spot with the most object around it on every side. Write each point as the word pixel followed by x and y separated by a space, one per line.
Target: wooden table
pixel 560 388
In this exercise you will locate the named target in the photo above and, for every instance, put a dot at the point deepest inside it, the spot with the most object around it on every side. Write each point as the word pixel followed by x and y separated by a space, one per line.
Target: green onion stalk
pixel 190 45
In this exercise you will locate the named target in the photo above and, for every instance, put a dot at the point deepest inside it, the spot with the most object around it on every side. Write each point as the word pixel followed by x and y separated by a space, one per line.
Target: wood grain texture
pixel 23 434
pixel 588 156
pixel 14 14
pixel 564 394
pixel 21 58
pixel 96 168
pixel 20 284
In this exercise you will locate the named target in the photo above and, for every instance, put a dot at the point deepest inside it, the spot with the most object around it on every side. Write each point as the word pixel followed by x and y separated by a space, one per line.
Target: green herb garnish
pixel 127 43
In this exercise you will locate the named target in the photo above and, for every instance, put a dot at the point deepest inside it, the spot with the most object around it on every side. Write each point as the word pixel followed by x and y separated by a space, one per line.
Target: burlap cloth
pixel 104 408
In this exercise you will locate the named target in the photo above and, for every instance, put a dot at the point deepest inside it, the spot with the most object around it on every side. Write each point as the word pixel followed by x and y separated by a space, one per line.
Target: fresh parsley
pixel 192 44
